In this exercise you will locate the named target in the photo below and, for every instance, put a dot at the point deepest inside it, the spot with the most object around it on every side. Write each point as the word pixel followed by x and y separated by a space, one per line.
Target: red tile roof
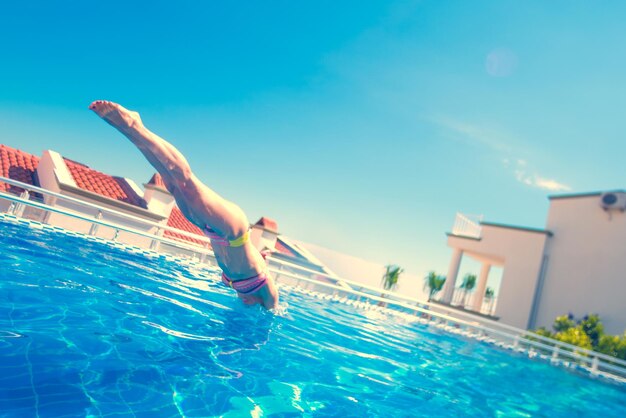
pixel 282 248
pixel 103 184
pixel 177 220
pixel 117 188
pixel 17 165
pixel 157 181
pixel 268 224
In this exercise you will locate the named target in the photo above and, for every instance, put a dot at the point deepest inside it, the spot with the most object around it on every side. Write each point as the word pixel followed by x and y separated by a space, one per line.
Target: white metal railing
pixel 465 300
pixel 478 327
pixel 160 228
pixel 467 225
pixel 368 296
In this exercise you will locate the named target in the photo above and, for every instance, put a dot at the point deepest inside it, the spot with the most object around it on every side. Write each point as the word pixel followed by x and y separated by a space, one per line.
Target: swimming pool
pixel 90 330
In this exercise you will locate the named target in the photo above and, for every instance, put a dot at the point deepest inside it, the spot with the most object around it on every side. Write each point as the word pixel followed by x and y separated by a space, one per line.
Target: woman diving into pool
pixel 243 266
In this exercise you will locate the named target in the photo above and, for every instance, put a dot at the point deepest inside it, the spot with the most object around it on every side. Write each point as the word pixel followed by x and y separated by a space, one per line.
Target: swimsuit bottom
pixel 249 285
pixel 244 286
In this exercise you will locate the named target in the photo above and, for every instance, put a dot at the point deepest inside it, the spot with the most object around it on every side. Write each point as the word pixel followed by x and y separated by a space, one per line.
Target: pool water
pixel 91 330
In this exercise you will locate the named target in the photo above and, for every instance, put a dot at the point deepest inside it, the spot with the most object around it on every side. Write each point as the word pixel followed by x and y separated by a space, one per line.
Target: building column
pixel 479 294
pixel 453 272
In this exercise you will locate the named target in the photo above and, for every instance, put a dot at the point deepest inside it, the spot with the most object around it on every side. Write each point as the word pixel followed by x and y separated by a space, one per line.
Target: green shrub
pixel 575 336
pixel 563 323
pixel 586 333
pixel 544 332
pixel 613 345
pixel 592 326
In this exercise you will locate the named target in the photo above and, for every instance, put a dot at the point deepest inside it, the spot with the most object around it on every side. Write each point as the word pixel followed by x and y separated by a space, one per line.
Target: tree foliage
pixel 391 276
pixel 575 336
pixel 434 283
pixel 468 285
pixel 613 345
pixel 587 332
pixel 469 282
pixel 563 323
pixel 592 326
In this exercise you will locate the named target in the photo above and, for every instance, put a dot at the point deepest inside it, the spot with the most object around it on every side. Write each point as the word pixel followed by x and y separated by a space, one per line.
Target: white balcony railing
pixel 465 300
pixel 467 225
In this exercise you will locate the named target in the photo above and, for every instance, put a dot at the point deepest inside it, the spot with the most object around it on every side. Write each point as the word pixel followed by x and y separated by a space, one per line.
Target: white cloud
pixel 476 134
pixel 499 142
pixel 535 180
pixel 552 185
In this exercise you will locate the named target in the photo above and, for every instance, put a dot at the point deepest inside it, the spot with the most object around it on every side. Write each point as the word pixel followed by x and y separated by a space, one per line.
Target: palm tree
pixel 434 283
pixel 469 282
pixel 489 295
pixel 390 279
pixel 391 276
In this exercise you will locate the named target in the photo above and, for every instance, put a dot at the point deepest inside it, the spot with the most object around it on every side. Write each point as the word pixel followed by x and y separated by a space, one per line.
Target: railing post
pixel 19 208
pixel 204 256
pixel 555 353
pixel 466 226
pixel 594 364
pixel 281 267
pixel 154 245
pixel 94 227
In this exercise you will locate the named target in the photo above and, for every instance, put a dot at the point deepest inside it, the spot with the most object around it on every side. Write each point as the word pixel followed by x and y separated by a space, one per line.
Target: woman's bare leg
pixel 197 201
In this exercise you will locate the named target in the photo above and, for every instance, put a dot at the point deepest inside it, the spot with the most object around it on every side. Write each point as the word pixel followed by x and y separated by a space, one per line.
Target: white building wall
pixel 262 238
pixel 586 270
pixel 519 251
pixel 51 171
pixel 365 272
pixel 159 201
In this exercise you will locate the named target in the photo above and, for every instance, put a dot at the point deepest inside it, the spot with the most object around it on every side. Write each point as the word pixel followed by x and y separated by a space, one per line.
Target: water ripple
pixel 99 331
pixel 181 334
pixel 10 334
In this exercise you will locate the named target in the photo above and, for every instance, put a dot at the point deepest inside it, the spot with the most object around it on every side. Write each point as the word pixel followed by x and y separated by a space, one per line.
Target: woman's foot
pixel 116 115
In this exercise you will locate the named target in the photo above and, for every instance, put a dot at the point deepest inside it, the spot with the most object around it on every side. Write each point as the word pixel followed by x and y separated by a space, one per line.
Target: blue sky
pixel 359 126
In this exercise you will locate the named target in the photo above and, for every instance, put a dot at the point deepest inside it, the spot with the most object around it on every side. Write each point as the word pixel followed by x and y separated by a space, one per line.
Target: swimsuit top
pixel 219 240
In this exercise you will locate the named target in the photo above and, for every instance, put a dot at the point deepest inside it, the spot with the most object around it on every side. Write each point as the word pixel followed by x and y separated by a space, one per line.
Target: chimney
pixel 158 199
pixel 264 233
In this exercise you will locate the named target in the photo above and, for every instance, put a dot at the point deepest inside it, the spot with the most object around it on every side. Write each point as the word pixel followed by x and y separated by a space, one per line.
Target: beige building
pixel 577 264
